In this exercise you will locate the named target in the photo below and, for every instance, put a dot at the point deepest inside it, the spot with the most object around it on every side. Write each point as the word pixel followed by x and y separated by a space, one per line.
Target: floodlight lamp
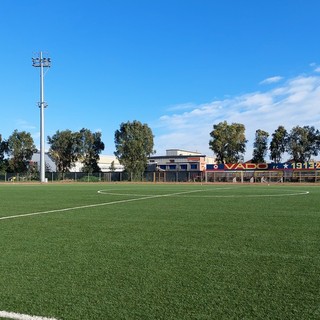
pixel 46 62
pixel 35 62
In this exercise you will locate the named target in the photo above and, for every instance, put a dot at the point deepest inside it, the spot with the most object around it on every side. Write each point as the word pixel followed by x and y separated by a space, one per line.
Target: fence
pixel 159 176
pixel 66 176
pixel 260 176
pixel 175 176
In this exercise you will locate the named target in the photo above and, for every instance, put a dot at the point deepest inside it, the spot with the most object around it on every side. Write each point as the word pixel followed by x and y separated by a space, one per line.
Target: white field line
pixel 95 205
pixel 20 316
pixel 111 192
pixel 298 193
pixel 250 195
pixel 142 198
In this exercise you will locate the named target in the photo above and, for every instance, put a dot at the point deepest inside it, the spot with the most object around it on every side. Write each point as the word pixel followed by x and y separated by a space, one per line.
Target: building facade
pixel 181 160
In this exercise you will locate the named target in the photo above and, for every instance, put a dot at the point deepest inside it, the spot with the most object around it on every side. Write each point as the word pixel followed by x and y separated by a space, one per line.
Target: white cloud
pixel 183 106
pixel 296 102
pixel 270 80
pixel 24 125
pixel 315 67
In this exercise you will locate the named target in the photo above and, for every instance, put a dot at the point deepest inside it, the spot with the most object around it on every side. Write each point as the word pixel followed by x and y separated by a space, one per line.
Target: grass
pixel 161 251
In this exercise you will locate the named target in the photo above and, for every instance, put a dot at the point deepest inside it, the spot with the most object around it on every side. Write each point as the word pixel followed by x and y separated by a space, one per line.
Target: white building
pixel 50 165
pixel 105 164
pixel 181 160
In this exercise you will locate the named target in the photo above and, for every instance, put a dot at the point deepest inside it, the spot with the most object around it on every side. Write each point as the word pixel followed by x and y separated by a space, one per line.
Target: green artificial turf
pixel 160 251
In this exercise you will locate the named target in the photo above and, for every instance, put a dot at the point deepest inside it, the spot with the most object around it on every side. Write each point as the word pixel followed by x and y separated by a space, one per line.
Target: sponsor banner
pixel 265 166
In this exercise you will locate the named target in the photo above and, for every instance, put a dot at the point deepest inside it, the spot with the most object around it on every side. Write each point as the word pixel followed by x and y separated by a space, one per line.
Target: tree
pixel 303 143
pixel 228 142
pixel 134 143
pixel 20 148
pixel 260 146
pixel 112 167
pixel 278 144
pixel 64 149
pixel 90 148
pixel 3 151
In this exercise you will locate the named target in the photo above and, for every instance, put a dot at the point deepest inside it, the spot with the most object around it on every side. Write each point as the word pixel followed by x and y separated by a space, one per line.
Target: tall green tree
pixel 64 149
pixel 278 144
pixel 20 148
pixel 260 146
pixel 91 146
pixel 303 143
pixel 3 151
pixel 134 144
pixel 228 142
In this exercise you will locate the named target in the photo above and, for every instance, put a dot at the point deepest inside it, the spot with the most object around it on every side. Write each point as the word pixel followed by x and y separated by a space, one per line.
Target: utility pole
pixel 42 62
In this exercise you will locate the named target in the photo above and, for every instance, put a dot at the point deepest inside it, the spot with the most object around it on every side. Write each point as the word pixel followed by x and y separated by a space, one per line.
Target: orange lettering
pixel 262 166
pixel 229 166
pixel 251 165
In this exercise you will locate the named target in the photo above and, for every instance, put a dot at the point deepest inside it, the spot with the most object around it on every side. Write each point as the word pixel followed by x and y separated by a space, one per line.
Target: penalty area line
pixel 21 316
pixel 93 205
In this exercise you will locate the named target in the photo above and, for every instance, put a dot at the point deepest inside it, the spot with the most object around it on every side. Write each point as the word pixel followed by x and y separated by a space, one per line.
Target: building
pixel 105 164
pixel 50 165
pixel 181 160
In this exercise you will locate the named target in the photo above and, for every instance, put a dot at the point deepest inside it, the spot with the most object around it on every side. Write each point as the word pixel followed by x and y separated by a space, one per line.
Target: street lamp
pixel 41 62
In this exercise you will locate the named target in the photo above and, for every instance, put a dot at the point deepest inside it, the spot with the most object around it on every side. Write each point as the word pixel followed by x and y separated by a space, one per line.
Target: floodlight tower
pixel 41 62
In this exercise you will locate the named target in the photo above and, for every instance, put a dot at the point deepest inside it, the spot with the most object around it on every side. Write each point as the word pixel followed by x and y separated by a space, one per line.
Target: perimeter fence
pixel 237 176
pixel 66 177
pixel 148 176
pixel 273 176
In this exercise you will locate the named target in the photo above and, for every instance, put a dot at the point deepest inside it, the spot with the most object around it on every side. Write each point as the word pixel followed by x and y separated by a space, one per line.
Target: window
pixel 194 166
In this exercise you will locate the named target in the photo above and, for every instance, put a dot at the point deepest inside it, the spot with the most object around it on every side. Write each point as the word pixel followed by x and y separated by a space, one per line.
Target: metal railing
pixel 264 176
pixel 170 176
pixel 173 176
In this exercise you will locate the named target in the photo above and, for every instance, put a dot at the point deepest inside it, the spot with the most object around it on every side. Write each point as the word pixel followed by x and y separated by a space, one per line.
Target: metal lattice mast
pixel 42 62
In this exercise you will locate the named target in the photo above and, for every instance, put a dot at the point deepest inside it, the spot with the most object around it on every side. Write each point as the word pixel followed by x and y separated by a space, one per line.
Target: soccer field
pixel 159 251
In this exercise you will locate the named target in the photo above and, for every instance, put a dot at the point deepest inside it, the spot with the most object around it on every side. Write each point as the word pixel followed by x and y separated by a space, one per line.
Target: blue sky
pixel 180 66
